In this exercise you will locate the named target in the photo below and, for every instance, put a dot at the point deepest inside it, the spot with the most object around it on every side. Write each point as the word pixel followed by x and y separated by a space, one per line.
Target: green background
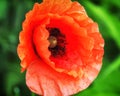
pixel 105 12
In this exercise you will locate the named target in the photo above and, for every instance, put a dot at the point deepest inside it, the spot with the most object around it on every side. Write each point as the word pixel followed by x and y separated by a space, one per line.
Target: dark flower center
pixel 57 42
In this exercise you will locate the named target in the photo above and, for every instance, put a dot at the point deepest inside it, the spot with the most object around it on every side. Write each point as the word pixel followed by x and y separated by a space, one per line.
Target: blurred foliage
pixel 105 12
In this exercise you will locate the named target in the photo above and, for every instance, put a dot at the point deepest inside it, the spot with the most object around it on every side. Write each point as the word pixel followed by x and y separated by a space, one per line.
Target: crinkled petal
pixel 43 80
pixel 53 6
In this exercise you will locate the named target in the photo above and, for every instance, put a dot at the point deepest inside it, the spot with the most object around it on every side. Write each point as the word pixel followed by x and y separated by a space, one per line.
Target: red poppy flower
pixel 60 47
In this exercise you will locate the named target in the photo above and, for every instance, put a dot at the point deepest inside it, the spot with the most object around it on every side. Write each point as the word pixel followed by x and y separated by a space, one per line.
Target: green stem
pixel 32 94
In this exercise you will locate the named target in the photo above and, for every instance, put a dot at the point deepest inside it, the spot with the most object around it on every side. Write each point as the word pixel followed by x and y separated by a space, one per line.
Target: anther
pixel 53 41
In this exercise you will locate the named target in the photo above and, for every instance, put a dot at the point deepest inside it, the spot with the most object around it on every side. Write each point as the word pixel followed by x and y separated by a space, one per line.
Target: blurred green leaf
pixel 16 91
pixel 12 79
pixel 105 94
pixel 3 8
pixel 109 2
pixel 112 67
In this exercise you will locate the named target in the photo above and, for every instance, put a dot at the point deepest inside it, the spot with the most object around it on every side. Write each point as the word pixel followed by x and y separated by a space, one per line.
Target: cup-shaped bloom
pixel 60 47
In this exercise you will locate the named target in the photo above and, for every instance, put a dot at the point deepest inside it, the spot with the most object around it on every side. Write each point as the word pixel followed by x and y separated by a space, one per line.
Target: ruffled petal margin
pixel 43 80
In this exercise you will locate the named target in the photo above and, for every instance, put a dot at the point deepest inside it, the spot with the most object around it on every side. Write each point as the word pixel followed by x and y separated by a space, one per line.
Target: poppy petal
pixel 53 6
pixel 43 80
